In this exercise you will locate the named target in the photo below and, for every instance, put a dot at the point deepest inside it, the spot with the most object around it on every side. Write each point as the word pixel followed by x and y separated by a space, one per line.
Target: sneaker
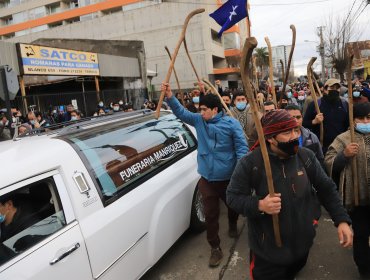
pixel 216 257
pixel 233 231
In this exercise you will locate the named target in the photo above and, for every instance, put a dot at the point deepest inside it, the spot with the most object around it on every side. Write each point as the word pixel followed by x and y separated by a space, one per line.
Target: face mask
pixel 363 127
pixel 196 99
pixel 356 94
pixel 101 104
pixel 115 109
pixel 73 118
pixel 289 94
pixel 301 97
pixel 332 96
pixel 283 105
pixel 290 147
pixel 55 111
pixel 32 122
pixel 120 103
pixel 241 105
pixel 345 95
pixel 2 218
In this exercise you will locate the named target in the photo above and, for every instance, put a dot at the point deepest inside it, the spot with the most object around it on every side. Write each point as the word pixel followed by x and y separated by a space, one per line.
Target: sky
pixel 273 18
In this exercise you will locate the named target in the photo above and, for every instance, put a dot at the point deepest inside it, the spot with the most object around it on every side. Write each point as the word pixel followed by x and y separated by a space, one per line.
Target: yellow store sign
pixel 40 60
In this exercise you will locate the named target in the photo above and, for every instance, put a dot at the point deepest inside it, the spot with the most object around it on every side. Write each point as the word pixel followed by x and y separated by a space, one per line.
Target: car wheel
pixel 198 220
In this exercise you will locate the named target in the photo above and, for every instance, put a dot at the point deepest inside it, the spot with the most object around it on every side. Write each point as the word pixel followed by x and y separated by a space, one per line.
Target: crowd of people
pixel 306 172
pixel 38 120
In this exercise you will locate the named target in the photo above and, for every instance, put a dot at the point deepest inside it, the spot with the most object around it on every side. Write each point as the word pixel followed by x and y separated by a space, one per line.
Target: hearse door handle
pixel 65 254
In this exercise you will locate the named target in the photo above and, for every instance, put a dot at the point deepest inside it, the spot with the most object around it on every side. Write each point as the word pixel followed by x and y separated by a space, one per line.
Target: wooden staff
pixel 215 91
pixel 191 61
pixel 352 131
pixel 314 97
pixel 177 78
pixel 282 75
pixel 255 76
pixel 250 44
pixel 271 71
pixel 289 62
pixel 316 84
pixel 176 51
pixel 192 65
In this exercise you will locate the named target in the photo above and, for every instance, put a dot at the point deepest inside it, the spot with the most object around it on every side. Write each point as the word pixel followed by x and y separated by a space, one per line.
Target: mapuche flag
pixel 229 14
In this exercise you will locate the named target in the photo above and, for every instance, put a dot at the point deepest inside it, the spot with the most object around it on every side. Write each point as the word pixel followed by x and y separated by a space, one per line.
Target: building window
pixel 215 38
pixel 53 8
pixel 231 40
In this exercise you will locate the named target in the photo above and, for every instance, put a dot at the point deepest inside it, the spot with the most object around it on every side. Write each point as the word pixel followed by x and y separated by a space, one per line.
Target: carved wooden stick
pixel 314 97
pixel 176 51
pixel 191 61
pixel 177 78
pixel 250 44
pixel 316 84
pixel 289 61
pixel 282 75
pixel 215 91
pixel 352 131
pixel 271 71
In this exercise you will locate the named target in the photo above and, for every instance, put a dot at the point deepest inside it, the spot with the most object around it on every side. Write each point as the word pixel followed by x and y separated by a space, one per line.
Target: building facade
pixel 156 23
pixel 281 53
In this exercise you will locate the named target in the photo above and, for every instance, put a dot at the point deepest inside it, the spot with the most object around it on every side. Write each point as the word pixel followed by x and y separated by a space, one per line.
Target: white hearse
pixel 100 199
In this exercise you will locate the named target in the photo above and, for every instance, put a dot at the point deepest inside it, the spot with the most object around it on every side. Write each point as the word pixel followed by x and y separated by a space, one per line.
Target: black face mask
pixel 283 105
pixel 290 147
pixel 332 96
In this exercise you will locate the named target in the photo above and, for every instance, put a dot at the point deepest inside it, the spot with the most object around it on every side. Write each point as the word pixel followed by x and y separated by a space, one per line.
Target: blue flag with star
pixel 229 14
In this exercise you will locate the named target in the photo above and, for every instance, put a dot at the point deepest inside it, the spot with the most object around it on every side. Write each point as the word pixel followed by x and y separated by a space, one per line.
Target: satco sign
pixel 39 60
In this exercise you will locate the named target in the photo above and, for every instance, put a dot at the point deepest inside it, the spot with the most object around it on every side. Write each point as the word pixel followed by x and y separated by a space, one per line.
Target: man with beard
pixel 294 172
pixel 334 114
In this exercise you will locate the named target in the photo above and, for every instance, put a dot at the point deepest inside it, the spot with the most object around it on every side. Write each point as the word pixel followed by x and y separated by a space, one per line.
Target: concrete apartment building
pixel 156 23
pixel 281 53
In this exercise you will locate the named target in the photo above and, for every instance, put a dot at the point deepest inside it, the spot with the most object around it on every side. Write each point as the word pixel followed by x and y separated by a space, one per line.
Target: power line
pixel 355 14
pixel 348 15
pixel 361 12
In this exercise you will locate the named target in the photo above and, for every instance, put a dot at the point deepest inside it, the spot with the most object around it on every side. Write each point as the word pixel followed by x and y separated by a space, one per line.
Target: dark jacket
pixel 298 204
pixel 336 120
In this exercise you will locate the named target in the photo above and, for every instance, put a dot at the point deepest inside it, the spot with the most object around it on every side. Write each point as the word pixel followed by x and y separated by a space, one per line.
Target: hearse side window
pixel 28 215
pixel 122 154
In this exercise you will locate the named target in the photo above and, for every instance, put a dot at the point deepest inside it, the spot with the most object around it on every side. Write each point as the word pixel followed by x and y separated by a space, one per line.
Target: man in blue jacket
pixel 221 142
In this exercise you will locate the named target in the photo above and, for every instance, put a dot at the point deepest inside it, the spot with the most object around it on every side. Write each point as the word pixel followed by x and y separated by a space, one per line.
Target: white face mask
pixel 301 97
pixel 115 108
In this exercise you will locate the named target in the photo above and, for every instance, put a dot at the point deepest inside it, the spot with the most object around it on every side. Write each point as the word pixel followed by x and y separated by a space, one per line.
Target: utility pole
pixel 322 53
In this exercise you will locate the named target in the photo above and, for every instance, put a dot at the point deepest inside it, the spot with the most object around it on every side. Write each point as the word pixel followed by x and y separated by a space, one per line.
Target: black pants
pixel 361 231
pixel 260 269
pixel 212 192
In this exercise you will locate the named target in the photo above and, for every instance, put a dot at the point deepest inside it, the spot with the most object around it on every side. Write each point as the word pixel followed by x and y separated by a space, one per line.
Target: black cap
pixel 361 110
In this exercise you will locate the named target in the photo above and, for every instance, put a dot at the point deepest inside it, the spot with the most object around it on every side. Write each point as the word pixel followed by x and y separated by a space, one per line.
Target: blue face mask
pixel 345 95
pixel 363 127
pixel 356 94
pixel 2 218
pixel 32 122
pixel 196 99
pixel 241 105
pixel 289 94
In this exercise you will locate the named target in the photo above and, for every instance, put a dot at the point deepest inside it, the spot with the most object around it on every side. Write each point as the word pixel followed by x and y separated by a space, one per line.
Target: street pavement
pixel 188 258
